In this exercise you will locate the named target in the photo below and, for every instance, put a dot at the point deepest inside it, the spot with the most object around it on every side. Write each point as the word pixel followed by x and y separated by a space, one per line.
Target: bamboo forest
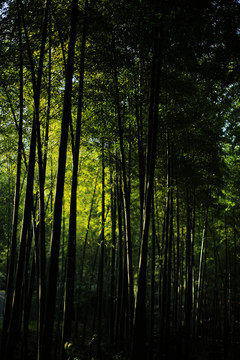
pixel 119 180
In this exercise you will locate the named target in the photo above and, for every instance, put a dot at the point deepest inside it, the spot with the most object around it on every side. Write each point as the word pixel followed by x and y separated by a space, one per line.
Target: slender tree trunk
pixel 41 173
pixel 177 272
pixel 55 239
pixel 140 152
pixel 192 259
pixel 169 280
pixel 163 315
pixel 12 262
pixel 113 257
pixel 139 349
pixel 126 200
pixel 71 257
pixel 28 292
pixel 188 298
pixel 170 246
pixel 200 276
pixel 36 82
pixel 48 99
pixel 101 264
pixel 152 309
pixel 235 277
pixel 217 310
pixel 226 296
pixel 120 316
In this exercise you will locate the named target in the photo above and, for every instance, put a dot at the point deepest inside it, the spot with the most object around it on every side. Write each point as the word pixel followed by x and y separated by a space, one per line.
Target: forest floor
pixel 216 351
pixel 202 351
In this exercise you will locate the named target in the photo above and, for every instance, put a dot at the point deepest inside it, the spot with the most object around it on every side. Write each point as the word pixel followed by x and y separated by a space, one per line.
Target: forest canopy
pixel 119 180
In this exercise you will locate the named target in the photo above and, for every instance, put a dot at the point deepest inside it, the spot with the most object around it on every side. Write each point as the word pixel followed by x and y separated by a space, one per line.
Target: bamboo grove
pixel 119 180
